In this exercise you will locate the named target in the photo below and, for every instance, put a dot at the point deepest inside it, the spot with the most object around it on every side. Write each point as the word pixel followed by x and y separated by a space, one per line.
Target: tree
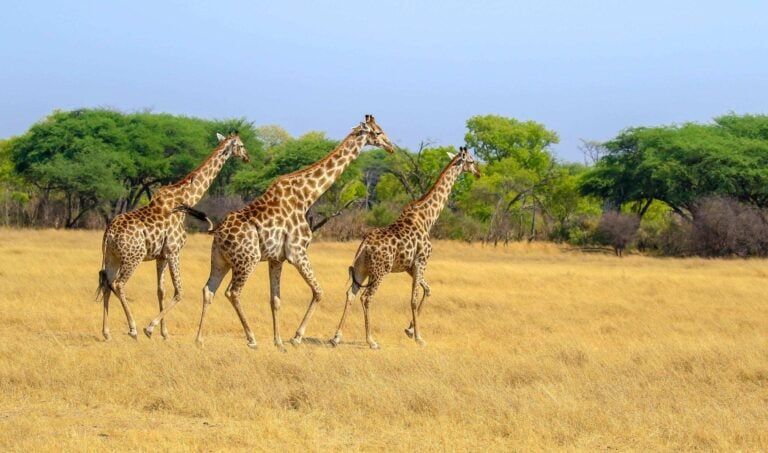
pixel 494 138
pixel 520 164
pixel 592 151
pixel 562 203
pixel 418 171
pixel 107 161
pixel 272 135
pixel 679 165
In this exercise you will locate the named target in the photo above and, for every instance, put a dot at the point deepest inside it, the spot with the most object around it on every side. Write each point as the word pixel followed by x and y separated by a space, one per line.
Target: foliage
pixel 520 167
pixel 495 138
pixel 679 165
pixel 74 164
pixel 111 161
pixel 617 230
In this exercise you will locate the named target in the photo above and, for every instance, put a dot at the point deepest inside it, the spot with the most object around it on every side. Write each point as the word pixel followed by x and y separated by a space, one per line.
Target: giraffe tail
pixel 199 215
pixel 360 251
pixel 354 280
pixel 103 285
pixel 103 279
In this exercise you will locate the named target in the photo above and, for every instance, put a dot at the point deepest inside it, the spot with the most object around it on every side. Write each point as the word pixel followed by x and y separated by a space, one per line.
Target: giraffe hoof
pixel 374 346
pixel 280 347
pixel 296 340
pixel 409 332
pixel 421 342
pixel 166 336
pixel 133 334
pixel 148 332
pixel 107 336
pixel 199 343
pixel 252 345
pixel 334 342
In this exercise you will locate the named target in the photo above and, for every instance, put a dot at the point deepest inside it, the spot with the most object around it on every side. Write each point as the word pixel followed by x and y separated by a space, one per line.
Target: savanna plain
pixel 529 348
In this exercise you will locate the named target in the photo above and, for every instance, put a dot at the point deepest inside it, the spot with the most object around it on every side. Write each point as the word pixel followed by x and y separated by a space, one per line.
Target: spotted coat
pixel 274 228
pixel 403 246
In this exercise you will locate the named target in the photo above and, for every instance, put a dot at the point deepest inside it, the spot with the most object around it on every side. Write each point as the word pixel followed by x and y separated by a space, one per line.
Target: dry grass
pixel 530 348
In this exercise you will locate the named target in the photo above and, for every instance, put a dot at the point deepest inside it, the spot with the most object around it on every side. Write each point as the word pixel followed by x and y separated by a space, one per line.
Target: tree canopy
pixel 110 161
pixel 687 184
pixel 680 165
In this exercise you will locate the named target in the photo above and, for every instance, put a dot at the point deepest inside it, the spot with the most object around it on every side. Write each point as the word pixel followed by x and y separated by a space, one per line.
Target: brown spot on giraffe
pixel 156 232
pixel 403 246
pixel 281 235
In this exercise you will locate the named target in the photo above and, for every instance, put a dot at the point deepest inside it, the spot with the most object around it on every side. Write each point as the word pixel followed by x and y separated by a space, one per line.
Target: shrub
pixel 617 230
pixel 724 227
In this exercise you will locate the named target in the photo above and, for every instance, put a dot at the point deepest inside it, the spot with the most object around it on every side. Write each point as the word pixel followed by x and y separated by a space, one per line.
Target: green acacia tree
pixel 680 165
pixel 107 161
pixel 520 165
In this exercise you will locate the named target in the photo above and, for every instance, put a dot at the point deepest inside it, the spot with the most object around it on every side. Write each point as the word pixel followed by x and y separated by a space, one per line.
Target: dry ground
pixel 529 348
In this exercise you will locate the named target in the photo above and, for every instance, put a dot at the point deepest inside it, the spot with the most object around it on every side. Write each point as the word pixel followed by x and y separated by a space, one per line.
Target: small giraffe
pixel 274 228
pixel 403 246
pixel 156 232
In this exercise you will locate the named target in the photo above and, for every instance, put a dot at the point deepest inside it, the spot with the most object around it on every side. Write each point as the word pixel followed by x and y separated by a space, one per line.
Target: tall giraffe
pixel 403 246
pixel 156 232
pixel 274 228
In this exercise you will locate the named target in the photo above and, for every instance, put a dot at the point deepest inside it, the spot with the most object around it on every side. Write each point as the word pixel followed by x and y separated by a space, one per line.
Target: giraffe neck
pixel 431 204
pixel 314 181
pixel 191 189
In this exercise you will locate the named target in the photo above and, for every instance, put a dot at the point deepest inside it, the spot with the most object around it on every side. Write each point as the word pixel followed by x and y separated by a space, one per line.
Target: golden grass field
pixel 529 348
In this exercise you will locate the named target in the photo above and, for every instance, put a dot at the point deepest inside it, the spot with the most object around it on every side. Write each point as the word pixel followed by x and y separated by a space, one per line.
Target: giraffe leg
pixel 373 285
pixel 111 267
pixel 351 294
pixel 275 269
pixel 219 269
pixel 161 264
pixel 415 308
pixel 126 270
pixel 173 262
pixel 239 277
pixel 305 269
pixel 424 297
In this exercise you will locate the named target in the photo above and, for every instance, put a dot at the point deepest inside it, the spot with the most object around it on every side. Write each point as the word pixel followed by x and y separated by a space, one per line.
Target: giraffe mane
pixel 439 178
pixel 320 162
pixel 191 175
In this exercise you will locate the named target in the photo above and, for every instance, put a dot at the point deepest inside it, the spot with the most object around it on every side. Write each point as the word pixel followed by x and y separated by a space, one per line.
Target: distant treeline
pixel 677 190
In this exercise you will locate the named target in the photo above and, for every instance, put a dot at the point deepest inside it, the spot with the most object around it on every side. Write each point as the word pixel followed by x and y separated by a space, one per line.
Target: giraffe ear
pixel 451 155
pixel 219 136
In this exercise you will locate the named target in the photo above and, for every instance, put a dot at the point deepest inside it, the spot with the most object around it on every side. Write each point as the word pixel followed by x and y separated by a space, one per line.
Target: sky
pixel 585 69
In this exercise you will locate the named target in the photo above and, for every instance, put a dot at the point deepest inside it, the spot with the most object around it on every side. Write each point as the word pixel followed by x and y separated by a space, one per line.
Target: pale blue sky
pixel 585 69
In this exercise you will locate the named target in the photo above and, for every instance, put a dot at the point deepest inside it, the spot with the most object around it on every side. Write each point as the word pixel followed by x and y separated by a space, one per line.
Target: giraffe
pixel 156 232
pixel 403 246
pixel 274 228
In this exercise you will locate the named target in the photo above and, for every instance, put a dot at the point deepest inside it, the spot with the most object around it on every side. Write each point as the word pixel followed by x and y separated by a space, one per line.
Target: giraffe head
pixel 236 146
pixel 375 136
pixel 466 161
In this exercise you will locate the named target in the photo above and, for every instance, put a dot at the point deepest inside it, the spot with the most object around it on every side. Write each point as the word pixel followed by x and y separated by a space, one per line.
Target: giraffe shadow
pixel 316 342
pixel 323 343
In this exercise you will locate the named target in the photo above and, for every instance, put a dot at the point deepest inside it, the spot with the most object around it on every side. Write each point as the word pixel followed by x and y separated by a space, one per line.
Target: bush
pixel 617 230
pixel 724 227
pixel 347 226
pixel 458 226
